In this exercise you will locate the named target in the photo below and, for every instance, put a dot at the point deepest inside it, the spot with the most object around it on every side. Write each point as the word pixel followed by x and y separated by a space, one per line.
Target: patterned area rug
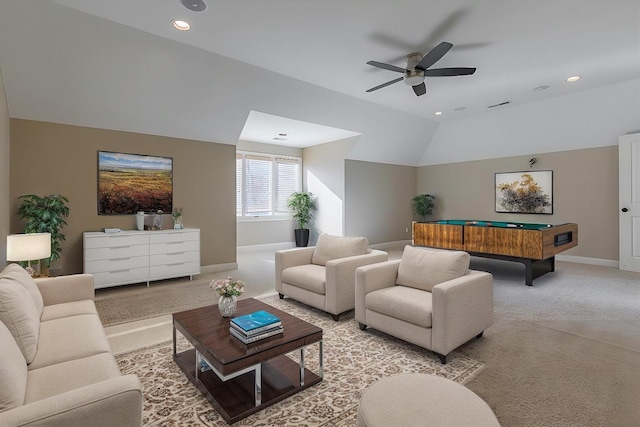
pixel 353 360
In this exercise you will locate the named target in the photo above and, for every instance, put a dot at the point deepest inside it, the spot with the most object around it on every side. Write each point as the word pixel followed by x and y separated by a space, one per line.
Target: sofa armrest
pixel 462 309
pixel 371 278
pixel 290 258
pixel 115 402
pixel 61 289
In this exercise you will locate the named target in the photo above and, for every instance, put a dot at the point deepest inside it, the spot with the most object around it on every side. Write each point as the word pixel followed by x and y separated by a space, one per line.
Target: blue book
pixel 257 319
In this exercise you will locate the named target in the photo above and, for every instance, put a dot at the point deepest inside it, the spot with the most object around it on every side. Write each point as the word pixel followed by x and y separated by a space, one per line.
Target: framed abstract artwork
pixel 526 192
pixel 131 183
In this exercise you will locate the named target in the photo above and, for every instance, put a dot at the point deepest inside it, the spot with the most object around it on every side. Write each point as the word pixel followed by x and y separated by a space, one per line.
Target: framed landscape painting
pixel 529 192
pixel 130 183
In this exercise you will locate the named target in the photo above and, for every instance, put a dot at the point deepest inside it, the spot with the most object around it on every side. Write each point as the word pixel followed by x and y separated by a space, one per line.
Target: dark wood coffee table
pixel 245 377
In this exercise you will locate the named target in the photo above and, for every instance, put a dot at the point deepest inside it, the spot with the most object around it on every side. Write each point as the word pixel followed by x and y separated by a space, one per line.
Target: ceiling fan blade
pixel 434 55
pixel 386 84
pixel 386 66
pixel 446 72
pixel 420 89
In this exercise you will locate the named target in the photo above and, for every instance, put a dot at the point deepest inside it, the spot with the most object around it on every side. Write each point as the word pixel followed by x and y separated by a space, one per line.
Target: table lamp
pixel 29 247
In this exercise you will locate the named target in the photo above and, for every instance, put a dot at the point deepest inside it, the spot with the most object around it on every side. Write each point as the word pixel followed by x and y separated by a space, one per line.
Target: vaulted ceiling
pixel 120 64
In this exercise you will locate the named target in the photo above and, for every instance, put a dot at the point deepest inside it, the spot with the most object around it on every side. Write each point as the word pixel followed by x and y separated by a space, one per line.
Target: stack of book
pixel 255 326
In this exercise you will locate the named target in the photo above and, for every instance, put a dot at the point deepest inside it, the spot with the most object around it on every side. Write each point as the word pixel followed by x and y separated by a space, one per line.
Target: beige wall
pixel 585 191
pixel 49 158
pixel 4 174
pixel 378 200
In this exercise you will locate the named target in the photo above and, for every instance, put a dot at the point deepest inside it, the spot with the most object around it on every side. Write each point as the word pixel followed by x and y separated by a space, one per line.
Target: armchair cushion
pixel 331 247
pixel 20 315
pixel 404 303
pixel 310 277
pixel 423 268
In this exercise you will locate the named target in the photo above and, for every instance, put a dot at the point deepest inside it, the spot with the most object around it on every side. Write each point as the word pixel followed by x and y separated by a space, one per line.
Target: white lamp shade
pixel 28 247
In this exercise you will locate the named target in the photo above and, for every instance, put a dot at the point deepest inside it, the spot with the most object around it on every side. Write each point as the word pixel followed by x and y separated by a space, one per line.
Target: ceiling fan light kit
pixel 418 68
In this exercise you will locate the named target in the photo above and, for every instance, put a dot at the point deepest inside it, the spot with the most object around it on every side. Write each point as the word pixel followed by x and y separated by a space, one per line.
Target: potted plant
pixel 45 215
pixel 301 205
pixel 423 205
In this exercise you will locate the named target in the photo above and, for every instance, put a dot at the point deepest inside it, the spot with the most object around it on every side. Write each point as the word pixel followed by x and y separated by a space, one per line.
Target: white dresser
pixel 141 256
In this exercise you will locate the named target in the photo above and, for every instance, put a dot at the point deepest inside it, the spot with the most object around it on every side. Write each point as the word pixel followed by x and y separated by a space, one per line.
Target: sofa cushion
pixel 19 275
pixel 401 302
pixel 333 247
pixel 19 313
pixel 67 309
pixel 61 377
pixel 70 338
pixel 309 276
pixel 424 268
pixel 13 371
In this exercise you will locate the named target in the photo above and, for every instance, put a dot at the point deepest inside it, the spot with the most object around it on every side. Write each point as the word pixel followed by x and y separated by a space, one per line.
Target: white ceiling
pixel 516 45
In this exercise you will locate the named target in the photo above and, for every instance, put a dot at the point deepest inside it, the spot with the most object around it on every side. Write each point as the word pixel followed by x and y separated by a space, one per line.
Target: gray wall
pixel 585 191
pixel 378 200
pixel 4 174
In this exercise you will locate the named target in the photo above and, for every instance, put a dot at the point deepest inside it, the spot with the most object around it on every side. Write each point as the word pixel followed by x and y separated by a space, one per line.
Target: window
pixel 264 183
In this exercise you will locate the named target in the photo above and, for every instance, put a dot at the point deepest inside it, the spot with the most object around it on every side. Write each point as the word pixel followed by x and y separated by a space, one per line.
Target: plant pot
pixel 302 237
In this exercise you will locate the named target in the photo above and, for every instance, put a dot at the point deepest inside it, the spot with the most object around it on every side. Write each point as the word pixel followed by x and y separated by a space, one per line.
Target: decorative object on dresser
pixel 141 256
pixel 177 219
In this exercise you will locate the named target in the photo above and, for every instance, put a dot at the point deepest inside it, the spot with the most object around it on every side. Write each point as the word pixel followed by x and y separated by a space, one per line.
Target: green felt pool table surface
pixel 501 224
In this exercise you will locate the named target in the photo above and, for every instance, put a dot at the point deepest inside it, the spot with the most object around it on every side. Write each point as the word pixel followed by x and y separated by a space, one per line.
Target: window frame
pixel 274 160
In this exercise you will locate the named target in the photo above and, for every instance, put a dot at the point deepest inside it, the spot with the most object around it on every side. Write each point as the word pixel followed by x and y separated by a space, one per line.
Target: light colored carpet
pixel 353 360
pixel 565 352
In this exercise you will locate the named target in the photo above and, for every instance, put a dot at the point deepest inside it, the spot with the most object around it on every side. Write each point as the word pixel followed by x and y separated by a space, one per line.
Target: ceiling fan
pixel 418 68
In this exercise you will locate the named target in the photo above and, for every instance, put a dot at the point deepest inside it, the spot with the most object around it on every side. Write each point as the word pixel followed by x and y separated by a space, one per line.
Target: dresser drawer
pixel 174 247
pixel 174 270
pixel 115 240
pixel 116 252
pixel 116 264
pixel 174 258
pixel 112 278
pixel 174 236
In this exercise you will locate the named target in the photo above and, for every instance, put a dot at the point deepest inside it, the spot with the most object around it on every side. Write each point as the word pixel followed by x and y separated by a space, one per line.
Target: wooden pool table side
pixel 535 248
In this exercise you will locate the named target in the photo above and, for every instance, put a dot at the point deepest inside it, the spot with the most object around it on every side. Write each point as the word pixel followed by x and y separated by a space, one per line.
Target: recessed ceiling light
pixel 180 25
pixel 573 79
pixel 541 88
pixel 459 108
pixel 438 113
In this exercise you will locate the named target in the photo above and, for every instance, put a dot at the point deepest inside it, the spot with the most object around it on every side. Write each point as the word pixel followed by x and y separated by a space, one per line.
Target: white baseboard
pixel 587 260
pixel 267 247
pixel 219 267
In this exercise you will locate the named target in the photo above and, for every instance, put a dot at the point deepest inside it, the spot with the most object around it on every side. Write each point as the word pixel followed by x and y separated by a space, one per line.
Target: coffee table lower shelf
pixel 235 399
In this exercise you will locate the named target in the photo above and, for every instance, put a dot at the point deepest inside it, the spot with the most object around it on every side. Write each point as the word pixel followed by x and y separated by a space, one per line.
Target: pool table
pixel 534 245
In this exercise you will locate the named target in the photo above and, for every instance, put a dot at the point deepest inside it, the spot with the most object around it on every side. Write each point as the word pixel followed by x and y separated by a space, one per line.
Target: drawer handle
pixel 120 247
pixel 176 253
pixel 119 259
pixel 175 263
pixel 119 271
pixel 175 243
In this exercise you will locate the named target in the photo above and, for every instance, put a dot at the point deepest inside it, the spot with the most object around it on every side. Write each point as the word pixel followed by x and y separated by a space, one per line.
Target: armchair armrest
pixel 462 309
pixel 117 401
pixel 61 289
pixel 290 258
pixel 370 278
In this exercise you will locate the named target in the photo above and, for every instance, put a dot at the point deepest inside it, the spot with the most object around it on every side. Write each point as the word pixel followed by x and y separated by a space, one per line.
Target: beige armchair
pixel 429 298
pixel 323 276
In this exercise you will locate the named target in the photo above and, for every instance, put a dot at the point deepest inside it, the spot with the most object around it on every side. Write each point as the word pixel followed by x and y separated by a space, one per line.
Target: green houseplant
pixel 301 204
pixel 423 205
pixel 45 215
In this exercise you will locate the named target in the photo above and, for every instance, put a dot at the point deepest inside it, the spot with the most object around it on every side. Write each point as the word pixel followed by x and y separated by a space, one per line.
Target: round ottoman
pixel 422 400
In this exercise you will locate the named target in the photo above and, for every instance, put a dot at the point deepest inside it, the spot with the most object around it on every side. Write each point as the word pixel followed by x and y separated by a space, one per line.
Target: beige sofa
pixel 56 367
pixel 428 297
pixel 323 276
